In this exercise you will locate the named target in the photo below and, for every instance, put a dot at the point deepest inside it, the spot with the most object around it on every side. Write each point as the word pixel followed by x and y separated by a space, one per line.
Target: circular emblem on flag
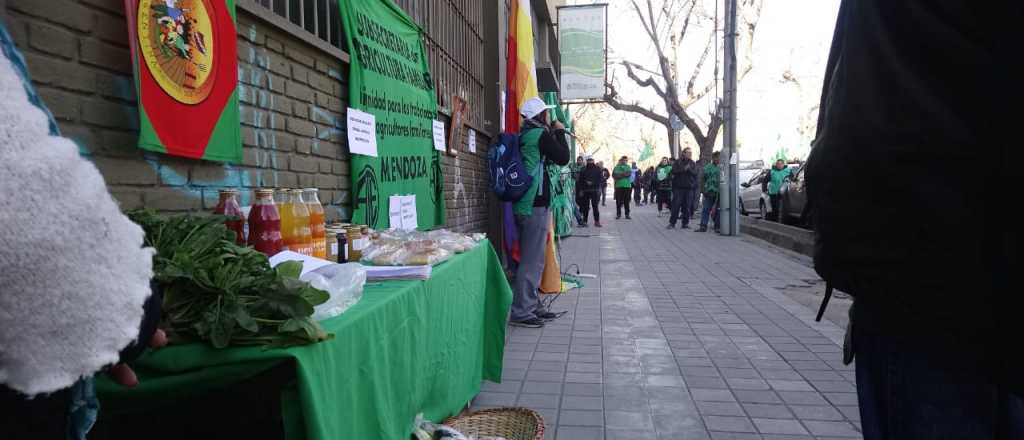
pixel 176 40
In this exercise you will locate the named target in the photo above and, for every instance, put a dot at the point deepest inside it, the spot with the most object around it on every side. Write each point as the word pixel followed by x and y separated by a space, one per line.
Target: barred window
pixel 322 18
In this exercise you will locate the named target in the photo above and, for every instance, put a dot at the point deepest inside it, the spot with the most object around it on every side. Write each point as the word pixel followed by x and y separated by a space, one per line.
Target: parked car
pixel 752 196
pixel 794 199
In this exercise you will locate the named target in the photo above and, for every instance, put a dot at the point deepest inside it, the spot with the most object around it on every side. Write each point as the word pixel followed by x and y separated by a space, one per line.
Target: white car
pixel 752 196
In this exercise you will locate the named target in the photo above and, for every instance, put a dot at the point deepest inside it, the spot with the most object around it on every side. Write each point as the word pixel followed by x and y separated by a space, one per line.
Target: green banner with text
pixel 389 78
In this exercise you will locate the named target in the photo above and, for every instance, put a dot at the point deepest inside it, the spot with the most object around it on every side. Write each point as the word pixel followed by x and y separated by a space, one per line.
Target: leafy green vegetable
pixel 217 291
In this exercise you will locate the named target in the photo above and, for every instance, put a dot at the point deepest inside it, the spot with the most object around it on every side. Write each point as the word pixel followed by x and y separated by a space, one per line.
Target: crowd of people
pixel 673 184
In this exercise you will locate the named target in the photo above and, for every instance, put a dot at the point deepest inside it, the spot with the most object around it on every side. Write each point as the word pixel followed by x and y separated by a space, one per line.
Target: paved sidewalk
pixel 683 336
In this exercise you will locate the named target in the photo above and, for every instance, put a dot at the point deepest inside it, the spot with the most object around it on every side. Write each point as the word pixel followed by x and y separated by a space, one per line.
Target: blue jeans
pixel 710 200
pixel 908 391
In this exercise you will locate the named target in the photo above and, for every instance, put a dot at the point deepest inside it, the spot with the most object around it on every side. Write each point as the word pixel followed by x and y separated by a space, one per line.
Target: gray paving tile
pixel 583 389
pixel 494 399
pixel 582 402
pixel 817 412
pixel 547 365
pixel 834 386
pixel 706 382
pixel 842 399
pixel 664 381
pixel 576 367
pixel 712 395
pixel 545 356
pixel 628 434
pixel 834 429
pixel 747 384
pixel 580 433
pixel 591 378
pixel 580 418
pixel 779 426
pixel 767 410
pixel 544 376
pixel 536 401
pixel 754 396
pixel 542 387
pixel 728 424
pixel 629 420
pixel 790 385
pixel 802 398
pixel 718 435
pixel 851 412
pixel 739 373
pixel 624 391
pixel 680 423
pixel 672 407
pixel 720 409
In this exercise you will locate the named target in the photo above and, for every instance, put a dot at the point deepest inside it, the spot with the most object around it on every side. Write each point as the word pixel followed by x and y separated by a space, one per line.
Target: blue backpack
pixel 509 178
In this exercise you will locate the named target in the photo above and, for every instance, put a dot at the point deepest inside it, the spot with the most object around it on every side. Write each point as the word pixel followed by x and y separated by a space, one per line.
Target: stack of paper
pixel 398 272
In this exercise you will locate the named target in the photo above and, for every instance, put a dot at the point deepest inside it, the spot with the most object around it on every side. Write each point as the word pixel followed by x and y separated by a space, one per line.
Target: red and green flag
pixel 186 76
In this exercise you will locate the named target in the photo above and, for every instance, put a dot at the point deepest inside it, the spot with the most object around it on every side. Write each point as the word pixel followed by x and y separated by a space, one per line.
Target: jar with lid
pixel 227 205
pixel 265 224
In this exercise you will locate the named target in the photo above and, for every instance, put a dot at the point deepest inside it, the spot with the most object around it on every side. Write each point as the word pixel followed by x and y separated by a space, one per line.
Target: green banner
pixel 389 77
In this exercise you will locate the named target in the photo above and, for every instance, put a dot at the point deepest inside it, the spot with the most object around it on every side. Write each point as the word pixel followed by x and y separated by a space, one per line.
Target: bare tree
pixel 667 26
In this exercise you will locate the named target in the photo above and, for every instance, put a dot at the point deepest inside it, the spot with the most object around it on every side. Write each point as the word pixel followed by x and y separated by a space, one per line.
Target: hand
pixel 558 125
pixel 123 375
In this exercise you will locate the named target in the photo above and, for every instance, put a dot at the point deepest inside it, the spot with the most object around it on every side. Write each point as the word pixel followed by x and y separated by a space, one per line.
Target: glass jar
pixel 265 224
pixel 316 221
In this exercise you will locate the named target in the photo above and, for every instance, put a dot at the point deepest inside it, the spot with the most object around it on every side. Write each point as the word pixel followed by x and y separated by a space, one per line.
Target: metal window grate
pixel 454 42
pixel 322 18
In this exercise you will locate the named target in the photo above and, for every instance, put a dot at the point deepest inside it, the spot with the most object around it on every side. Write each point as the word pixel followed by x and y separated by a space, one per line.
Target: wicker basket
pixel 510 423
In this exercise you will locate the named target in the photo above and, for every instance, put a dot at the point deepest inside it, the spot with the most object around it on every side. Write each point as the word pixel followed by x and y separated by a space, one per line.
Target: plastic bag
pixel 404 250
pixel 343 282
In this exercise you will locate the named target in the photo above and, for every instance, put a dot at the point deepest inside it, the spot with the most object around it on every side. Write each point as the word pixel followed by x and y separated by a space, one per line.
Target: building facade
pixel 293 73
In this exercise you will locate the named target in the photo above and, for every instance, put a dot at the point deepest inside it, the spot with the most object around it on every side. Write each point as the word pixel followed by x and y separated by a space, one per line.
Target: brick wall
pixel 292 99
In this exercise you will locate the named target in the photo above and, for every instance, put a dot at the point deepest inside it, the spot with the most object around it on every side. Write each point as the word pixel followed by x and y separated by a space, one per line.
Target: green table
pixel 406 347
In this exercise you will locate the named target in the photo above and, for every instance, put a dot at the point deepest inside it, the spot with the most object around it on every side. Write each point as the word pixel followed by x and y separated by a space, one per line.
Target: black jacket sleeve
pixel 553 146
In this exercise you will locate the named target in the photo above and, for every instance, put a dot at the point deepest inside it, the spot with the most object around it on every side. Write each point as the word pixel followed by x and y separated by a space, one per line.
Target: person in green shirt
pixel 622 173
pixel 663 184
pixel 712 176
pixel 777 176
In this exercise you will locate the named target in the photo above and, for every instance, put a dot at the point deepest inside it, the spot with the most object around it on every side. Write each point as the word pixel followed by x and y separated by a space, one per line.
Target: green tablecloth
pixel 406 347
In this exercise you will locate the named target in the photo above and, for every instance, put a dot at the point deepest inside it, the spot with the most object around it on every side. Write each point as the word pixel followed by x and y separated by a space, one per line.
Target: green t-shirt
pixel 623 182
pixel 777 178
pixel 711 178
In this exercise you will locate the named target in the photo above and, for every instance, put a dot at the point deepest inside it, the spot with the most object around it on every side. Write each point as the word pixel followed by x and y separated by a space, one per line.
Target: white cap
pixel 532 107
pixel 588 157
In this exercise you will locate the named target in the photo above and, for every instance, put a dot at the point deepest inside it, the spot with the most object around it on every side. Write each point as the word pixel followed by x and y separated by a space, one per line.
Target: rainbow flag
pixel 521 70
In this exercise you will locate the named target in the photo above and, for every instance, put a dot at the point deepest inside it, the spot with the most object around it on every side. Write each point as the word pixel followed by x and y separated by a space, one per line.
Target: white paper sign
pixel 439 139
pixel 735 159
pixel 362 132
pixel 409 220
pixel 472 140
pixel 395 212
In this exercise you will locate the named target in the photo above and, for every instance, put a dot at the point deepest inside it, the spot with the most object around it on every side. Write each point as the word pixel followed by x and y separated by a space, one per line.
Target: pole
pixel 729 214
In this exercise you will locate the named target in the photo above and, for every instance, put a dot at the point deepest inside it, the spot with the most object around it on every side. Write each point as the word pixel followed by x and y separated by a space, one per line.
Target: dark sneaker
pixel 670 227
pixel 618 217
pixel 627 217
pixel 529 323
pixel 597 224
pixel 550 316
pixel 684 227
pixel 703 229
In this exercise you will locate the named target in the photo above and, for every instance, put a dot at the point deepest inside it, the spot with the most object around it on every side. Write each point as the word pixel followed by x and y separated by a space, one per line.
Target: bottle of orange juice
pixel 284 207
pixel 316 221
pixel 303 237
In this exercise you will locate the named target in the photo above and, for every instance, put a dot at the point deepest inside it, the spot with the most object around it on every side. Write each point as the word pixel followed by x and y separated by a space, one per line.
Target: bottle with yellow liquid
pixel 288 232
pixel 303 235
pixel 316 222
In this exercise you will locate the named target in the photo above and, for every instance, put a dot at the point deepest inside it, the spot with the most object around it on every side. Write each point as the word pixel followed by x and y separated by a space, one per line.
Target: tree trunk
pixel 673 142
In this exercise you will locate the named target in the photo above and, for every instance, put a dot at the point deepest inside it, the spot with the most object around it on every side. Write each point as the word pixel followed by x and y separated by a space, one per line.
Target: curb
pixel 792 238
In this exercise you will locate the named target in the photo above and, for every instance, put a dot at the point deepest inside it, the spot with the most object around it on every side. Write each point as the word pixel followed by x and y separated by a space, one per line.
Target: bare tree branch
pixel 612 98
pixel 686 22
pixel 649 82
pixel 700 64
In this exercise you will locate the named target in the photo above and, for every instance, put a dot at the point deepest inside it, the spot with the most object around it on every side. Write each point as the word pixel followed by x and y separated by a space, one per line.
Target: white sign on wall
pixel 582 41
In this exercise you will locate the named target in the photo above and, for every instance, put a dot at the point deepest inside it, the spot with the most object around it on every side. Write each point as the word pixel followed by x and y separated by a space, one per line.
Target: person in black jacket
pixel 684 180
pixel 589 185
pixel 605 175
pixel 918 242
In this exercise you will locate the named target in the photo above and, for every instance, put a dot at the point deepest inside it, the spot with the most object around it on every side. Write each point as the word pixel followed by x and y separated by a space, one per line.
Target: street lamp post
pixel 729 215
